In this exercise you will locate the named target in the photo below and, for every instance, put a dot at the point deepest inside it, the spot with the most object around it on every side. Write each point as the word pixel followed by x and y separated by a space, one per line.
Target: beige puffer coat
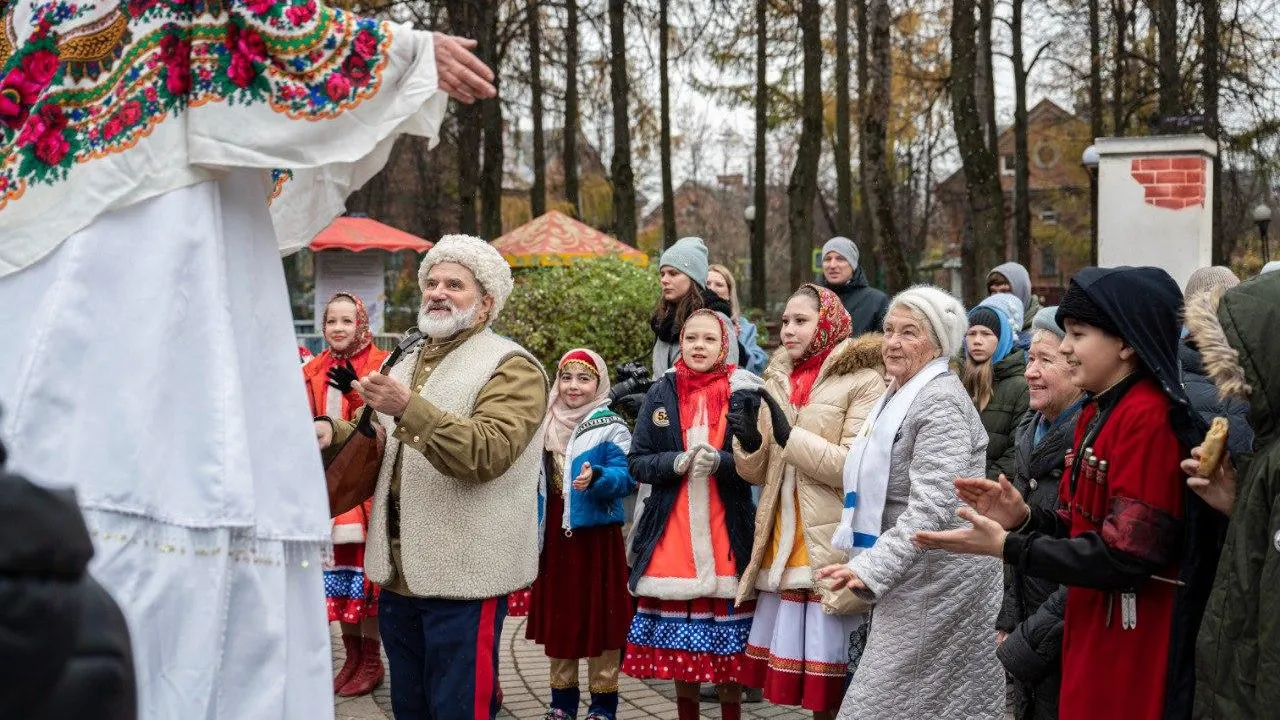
pixel 849 384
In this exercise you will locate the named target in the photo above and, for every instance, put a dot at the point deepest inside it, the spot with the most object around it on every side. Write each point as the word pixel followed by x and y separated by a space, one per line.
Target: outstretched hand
pixel 583 480
pixel 841 576
pixel 342 376
pixel 461 74
pixel 985 537
pixel 999 501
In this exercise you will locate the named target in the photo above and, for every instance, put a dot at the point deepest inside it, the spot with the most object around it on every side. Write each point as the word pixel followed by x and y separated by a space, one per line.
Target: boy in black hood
pixel 1135 547
pixel 843 276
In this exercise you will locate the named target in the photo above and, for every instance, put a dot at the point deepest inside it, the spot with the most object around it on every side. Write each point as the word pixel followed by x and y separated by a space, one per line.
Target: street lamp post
pixel 1089 159
pixel 1262 218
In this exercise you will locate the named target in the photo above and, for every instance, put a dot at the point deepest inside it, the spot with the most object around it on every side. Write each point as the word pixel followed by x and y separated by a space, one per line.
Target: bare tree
pixel 1120 16
pixel 759 238
pixel 1021 166
pixel 985 81
pixel 1166 12
pixel 464 20
pixel 664 133
pixel 491 119
pixel 571 60
pixel 538 193
pixel 844 168
pixel 875 126
pixel 1211 44
pixel 802 190
pixel 986 199
pixel 624 190
pixel 865 221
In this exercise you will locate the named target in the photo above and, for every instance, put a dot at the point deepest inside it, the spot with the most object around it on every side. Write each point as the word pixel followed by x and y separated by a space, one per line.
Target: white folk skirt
pixel 149 362
pixel 798 653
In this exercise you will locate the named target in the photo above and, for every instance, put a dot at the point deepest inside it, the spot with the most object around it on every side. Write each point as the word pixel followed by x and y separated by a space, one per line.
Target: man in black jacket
pixel 866 305
pixel 64 645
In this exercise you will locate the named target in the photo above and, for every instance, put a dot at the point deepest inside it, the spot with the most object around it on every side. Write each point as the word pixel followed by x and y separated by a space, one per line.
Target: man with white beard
pixel 454 524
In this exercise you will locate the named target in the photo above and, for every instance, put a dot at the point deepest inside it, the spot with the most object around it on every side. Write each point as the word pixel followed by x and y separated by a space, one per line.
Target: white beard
pixel 445 328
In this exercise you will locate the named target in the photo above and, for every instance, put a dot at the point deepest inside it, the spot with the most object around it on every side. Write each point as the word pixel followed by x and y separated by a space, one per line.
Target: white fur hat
pixel 945 314
pixel 486 263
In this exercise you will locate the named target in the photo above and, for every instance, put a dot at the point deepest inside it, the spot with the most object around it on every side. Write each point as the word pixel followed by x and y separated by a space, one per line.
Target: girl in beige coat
pixel 818 390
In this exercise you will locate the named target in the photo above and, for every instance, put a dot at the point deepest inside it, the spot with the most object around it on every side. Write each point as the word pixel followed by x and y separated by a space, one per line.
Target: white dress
pixel 148 357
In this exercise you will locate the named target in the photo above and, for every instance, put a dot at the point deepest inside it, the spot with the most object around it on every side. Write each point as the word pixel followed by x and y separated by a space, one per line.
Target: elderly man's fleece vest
pixel 458 539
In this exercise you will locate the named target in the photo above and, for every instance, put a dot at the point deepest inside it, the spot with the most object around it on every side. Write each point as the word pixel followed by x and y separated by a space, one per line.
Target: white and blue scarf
pixel 866 468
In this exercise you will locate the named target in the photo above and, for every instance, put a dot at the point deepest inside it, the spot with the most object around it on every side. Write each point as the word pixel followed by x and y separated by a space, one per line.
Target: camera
pixel 628 392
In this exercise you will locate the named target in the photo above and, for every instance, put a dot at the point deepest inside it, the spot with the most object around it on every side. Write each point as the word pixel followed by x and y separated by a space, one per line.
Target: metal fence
pixel 315 342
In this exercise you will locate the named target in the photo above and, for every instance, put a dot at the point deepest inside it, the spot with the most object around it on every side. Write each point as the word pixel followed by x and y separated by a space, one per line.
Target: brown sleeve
pixel 481 447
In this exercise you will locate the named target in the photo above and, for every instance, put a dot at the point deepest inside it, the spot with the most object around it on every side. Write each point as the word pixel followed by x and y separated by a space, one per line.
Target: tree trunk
pixel 803 186
pixel 1166 12
pixel 844 168
pixel 1095 119
pixel 1212 79
pixel 759 226
pixel 982 185
pixel 876 129
pixel 664 139
pixel 1022 166
pixel 538 193
pixel 624 189
pixel 570 159
pixel 985 82
pixel 1119 14
pixel 870 243
pixel 464 21
pixel 491 115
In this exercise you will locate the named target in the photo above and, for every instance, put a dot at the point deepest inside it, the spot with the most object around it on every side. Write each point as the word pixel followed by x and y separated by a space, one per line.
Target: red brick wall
pixel 1170 182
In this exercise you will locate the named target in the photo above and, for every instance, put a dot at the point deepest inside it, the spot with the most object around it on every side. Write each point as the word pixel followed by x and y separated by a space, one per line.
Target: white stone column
pixel 1155 202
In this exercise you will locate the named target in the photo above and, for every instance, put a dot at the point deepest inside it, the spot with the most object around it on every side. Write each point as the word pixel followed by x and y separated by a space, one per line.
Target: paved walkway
pixel 524 684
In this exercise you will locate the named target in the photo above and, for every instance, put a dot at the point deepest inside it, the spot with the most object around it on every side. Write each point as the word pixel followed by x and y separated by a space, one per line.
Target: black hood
pixel 1145 305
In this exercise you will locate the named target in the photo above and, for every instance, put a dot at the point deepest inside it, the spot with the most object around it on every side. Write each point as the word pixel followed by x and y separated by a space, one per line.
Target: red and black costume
pixel 1135 547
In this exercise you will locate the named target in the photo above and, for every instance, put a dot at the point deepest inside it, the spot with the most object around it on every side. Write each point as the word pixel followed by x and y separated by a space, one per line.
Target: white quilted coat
pixel 931 648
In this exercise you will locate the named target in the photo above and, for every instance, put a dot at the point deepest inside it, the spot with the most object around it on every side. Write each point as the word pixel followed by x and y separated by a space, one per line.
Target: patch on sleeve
pixel 660 417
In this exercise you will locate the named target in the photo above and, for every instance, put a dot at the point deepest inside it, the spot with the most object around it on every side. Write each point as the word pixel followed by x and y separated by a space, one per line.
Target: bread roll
pixel 1215 441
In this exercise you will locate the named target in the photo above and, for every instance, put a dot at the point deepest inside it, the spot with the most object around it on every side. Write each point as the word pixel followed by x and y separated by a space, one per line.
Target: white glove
pixel 705 461
pixel 683 461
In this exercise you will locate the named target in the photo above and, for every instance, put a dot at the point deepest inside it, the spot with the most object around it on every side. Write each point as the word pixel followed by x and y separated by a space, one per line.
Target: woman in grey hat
pixel 683 270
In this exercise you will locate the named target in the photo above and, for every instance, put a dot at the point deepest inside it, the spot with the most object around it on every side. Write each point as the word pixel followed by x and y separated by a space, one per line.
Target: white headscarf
pixel 557 426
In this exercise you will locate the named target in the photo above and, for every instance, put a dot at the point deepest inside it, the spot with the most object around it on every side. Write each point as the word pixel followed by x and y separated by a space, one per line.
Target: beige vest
pixel 458 539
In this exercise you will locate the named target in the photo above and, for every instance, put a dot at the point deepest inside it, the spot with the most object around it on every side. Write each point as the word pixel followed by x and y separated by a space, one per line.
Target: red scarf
pixel 709 390
pixel 833 327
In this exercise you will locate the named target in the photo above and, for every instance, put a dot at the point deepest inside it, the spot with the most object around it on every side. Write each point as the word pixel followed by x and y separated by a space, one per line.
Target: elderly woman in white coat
pixel 930 647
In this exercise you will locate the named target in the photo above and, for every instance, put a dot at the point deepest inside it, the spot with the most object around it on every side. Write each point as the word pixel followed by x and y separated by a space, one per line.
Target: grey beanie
pixel 844 246
pixel 1047 320
pixel 689 256
pixel 1272 266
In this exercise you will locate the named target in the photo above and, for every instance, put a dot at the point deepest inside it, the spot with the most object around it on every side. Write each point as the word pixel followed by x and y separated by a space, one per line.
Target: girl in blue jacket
pixel 580 607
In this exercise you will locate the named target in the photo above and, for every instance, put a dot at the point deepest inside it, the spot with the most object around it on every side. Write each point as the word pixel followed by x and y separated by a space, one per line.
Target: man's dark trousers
pixel 443 656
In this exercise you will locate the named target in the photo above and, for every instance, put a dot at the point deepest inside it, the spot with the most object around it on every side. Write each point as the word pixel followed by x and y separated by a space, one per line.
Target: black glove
pixel 341 377
pixel 744 409
pixel 781 427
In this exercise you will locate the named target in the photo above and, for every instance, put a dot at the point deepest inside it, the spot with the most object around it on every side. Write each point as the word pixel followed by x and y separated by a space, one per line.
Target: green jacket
pixel 1238 651
pixel 1001 417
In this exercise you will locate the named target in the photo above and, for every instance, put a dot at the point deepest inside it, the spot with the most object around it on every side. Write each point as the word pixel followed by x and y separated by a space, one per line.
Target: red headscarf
pixel 834 326
pixel 705 390
pixel 364 336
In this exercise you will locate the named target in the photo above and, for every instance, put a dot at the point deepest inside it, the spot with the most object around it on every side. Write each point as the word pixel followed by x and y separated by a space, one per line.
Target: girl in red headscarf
pixel 351 598
pixel 820 387
pixel 693 538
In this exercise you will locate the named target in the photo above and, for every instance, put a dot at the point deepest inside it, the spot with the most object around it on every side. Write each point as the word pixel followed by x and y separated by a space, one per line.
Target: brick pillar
pixel 1155 200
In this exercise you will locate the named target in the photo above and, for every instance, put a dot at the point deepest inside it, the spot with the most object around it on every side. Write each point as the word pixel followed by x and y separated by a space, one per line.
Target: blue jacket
pixel 603 441
pixel 748 337
pixel 658 441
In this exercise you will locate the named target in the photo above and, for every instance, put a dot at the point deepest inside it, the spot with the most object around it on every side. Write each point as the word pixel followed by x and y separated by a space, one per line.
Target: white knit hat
pixel 689 256
pixel 486 263
pixel 947 320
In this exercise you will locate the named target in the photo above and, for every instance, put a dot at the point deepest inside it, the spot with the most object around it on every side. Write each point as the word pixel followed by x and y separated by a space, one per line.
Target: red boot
pixel 369 674
pixel 352 644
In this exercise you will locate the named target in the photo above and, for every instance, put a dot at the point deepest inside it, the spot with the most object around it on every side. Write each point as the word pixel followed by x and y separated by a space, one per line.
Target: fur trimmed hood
pixel 847 358
pixel 1234 333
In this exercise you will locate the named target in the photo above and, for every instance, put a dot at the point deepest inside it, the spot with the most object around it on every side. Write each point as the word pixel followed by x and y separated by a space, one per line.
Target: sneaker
pixel 557 714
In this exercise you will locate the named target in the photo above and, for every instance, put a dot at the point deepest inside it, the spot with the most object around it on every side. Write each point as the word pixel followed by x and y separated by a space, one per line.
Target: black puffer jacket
pixel 867 306
pixel 1037 471
pixel 1005 412
pixel 64 647
pixel 1204 398
pixel 1032 654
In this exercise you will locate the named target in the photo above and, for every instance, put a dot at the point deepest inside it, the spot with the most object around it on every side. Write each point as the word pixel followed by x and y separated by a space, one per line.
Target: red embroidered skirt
pixel 349 595
pixel 580 606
